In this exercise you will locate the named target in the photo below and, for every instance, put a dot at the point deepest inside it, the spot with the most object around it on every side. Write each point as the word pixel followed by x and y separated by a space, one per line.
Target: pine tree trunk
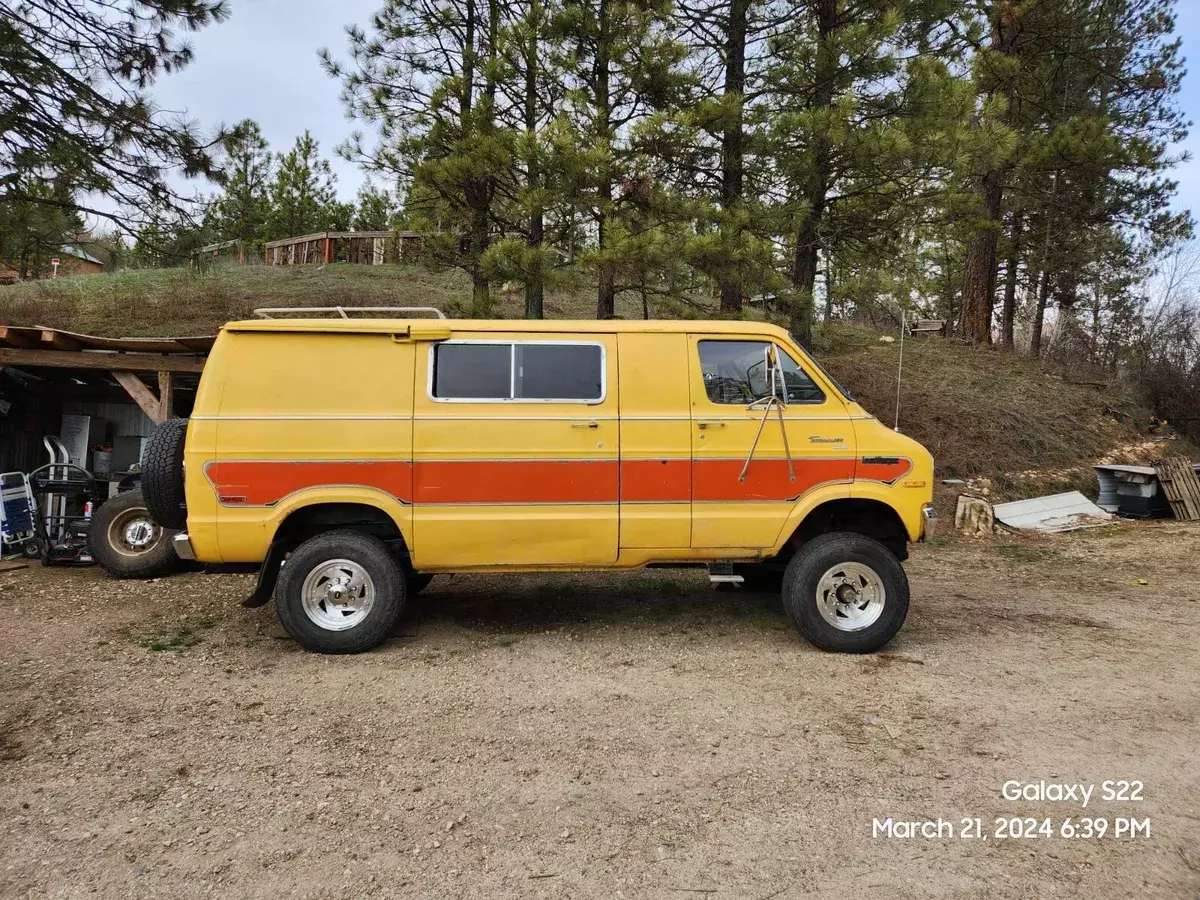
pixel 481 300
pixel 1043 288
pixel 948 288
pixel 829 273
pixel 478 238
pixel 804 276
pixel 733 146
pixel 605 291
pixel 816 189
pixel 1039 315
pixel 534 286
pixel 1012 265
pixel 979 277
pixel 606 307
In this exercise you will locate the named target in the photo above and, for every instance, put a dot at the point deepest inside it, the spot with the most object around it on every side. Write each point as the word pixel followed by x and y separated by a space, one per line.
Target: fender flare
pixel 397 510
pixel 805 505
pixel 878 492
pixel 886 494
pixel 268 573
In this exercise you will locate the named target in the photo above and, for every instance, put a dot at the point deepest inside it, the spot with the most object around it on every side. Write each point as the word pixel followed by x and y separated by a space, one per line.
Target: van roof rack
pixel 305 312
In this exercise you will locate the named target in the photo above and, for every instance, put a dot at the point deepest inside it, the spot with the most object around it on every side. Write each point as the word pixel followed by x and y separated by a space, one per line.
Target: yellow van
pixel 355 458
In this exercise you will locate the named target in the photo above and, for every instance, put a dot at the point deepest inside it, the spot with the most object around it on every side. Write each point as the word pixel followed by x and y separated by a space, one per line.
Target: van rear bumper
pixel 183 546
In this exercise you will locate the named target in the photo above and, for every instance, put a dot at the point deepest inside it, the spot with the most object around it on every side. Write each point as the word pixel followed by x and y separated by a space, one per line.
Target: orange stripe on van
pixel 656 480
pixel 517 481
pixel 264 482
pixel 716 480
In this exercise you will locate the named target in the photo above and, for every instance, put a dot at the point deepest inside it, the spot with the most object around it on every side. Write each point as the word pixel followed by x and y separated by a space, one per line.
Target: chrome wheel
pixel 133 532
pixel 337 594
pixel 850 596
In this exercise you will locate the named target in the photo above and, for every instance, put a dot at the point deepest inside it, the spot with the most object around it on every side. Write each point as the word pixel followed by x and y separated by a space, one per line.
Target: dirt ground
pixel 635 735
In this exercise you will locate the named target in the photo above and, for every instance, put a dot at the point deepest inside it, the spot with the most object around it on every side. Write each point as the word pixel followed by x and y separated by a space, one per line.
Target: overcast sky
pixel 261 63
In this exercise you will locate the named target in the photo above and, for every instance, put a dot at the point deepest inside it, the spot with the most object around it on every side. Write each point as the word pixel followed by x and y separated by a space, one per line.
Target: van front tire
pixel 340 592
pixel 846 592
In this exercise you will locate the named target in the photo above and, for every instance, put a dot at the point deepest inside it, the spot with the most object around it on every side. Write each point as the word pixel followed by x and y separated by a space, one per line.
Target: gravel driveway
pixel 636 735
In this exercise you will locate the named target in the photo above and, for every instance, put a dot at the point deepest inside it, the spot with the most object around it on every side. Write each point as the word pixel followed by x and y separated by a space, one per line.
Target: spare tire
pixel 127 543
pixel 162 474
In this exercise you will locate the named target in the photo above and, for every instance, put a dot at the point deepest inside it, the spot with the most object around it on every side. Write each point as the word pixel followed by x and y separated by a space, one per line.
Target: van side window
pixel 559 372
pixel 519 371
pixel 473 371
pixel 735 373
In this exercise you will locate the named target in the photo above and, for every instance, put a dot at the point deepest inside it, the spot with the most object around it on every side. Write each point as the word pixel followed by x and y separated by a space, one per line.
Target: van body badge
pixel 817 439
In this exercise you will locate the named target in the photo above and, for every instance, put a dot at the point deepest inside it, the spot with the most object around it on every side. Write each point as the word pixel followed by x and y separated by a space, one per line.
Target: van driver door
pixel 746 477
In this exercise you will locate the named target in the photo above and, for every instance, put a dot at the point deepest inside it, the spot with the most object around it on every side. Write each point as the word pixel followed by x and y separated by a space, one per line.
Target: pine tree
pixel 242 207
pixel 1079 117
pixel 861 123
pixel 34 224
pixel 74 116
pixel 428 76
pixel 723 164
pixel 376 208
pixel 622 65
pixel 530 96
pixel 996 61
pixel 303 199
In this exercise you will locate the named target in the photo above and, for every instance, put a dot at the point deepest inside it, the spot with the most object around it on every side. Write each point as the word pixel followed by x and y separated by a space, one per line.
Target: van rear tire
pixel 340 592
pixel 846 592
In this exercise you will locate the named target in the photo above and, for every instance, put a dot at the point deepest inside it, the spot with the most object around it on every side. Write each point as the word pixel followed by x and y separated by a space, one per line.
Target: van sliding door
pixel 516 451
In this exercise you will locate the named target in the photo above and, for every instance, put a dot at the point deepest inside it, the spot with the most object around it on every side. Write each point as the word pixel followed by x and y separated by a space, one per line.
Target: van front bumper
pixel 929 520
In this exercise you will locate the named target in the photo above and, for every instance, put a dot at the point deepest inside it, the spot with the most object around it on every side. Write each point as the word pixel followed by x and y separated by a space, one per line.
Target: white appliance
pixel 79 434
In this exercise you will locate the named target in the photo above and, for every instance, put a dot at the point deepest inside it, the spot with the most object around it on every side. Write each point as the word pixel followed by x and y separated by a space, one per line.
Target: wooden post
pixel 166 397
pixel 142 395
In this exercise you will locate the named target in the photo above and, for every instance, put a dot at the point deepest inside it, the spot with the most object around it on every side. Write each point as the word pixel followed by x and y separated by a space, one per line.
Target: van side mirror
pixel 774 371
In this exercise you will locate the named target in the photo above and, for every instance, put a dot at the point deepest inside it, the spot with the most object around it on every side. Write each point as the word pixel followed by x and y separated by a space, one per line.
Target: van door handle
pixel 704 425
pixel 585 424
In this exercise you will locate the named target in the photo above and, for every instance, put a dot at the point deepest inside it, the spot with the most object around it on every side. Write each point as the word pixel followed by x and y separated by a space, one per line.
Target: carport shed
pixel 131 383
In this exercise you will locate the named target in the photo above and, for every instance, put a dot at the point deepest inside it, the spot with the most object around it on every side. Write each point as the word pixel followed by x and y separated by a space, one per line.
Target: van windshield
pixel 837 385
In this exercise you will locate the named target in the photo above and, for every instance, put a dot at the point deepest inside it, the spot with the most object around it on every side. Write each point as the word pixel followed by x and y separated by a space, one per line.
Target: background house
pixel 77 261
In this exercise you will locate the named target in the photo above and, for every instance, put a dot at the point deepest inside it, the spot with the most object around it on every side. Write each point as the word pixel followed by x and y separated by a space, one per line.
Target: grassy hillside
pixel 157 302
pixel 991 412
pixel 981 411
